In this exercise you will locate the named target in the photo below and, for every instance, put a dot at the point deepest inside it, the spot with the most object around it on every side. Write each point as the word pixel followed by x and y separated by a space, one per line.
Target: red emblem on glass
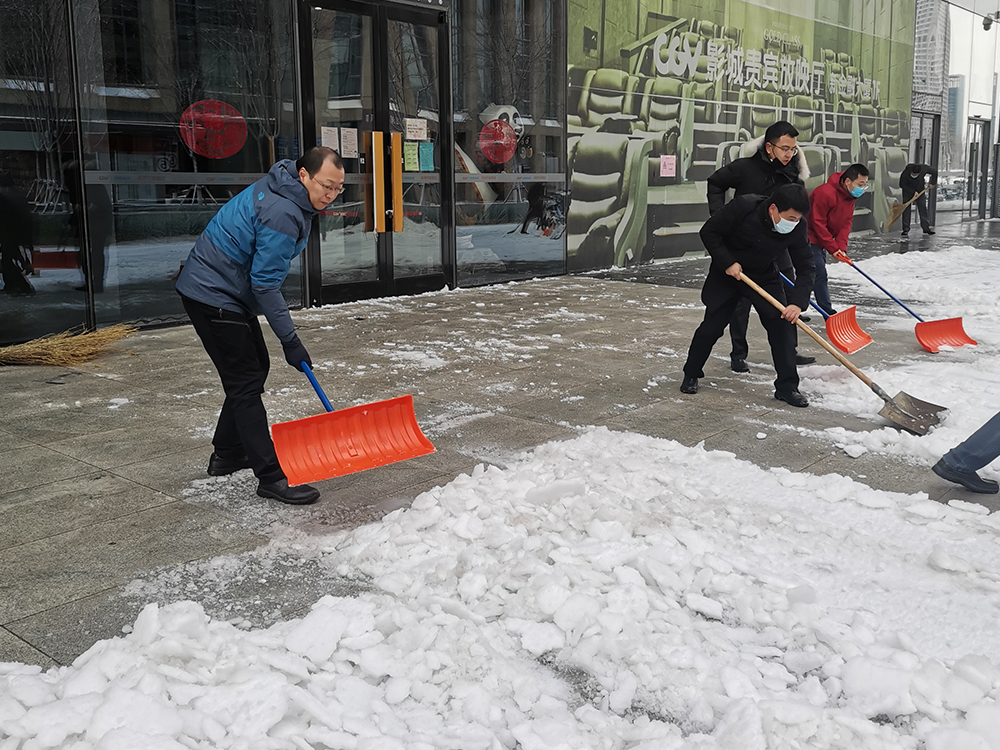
pixel 213 129
pixel 497 141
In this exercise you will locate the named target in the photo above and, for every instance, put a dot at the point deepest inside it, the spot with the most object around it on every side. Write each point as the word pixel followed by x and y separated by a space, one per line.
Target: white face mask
pixel 784 226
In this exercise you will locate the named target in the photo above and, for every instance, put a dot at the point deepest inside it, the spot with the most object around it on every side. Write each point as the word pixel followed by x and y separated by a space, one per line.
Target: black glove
pixel 296 354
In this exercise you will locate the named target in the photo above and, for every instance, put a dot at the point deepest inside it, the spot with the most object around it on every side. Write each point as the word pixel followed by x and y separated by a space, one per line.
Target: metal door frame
pixel 314 292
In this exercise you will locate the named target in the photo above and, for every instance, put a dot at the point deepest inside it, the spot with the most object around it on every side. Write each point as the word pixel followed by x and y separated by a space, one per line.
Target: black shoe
pixel 220 467
pixel 800 360
pixel 929 231
pixel 690 385
pixel 792 397
pixel 739 365
pixel 805 318
pixel 968 479
pixel 903 234
pixel 301 494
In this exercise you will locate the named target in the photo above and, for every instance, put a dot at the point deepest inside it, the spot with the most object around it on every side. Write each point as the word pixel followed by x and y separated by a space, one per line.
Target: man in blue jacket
pixel 233 274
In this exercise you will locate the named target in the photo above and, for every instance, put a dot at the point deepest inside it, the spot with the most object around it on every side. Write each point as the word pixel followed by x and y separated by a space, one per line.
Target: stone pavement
pixel 106 504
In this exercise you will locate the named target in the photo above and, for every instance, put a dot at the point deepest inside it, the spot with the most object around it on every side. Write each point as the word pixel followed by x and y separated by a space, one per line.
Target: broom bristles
pixel 66 348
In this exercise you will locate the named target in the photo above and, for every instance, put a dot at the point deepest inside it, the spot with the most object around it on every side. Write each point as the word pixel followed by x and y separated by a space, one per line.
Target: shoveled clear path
pixel 106 504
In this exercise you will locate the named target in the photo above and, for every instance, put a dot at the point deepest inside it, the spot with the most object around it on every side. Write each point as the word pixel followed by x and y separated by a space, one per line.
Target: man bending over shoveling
pixel 749 234
pixel 233 274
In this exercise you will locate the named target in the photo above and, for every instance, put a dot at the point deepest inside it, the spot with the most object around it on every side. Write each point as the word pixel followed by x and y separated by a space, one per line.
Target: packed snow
pixel 612 591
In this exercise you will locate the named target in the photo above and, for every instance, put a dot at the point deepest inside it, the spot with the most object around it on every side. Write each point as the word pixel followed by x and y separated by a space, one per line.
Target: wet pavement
pixel 106 503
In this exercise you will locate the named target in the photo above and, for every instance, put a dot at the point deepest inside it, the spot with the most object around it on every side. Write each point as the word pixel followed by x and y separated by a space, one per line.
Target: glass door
pixel 373 89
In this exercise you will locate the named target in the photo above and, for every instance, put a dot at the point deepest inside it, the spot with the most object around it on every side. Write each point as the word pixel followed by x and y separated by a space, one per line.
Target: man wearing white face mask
pixel 830 222
pixel 751 233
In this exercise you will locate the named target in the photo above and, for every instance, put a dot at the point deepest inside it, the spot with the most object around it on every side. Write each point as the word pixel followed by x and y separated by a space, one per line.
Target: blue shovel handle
pixel 315 384
pixel 812 304
pixel 856 268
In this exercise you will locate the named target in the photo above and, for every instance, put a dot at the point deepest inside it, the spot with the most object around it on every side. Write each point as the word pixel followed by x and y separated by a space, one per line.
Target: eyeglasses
pixel 338 189
pixel 786 149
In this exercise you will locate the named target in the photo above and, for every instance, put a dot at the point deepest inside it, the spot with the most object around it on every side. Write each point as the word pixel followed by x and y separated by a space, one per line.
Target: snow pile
pixel 955 282
pixel 613 591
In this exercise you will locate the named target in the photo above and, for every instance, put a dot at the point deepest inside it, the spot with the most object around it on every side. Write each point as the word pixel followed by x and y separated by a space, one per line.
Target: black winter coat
pixel 912 184
pixel 742 232
pixel 756 174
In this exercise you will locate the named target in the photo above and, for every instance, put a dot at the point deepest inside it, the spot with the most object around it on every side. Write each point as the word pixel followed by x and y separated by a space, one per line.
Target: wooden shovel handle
pixel 819 339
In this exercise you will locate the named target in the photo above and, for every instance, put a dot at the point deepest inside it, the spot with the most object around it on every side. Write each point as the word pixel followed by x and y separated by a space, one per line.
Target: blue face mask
pixel 857 191
pixel 784 226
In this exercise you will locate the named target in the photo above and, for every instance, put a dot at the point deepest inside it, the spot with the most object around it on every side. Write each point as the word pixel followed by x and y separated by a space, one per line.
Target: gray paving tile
pixel 58 507
pixel 10 441
pixel 44 573
pixel 33 466
pixel 15 649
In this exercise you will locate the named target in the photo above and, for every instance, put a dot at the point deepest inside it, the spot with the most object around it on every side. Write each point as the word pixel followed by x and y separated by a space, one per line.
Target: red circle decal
pixel 213 129
pixel 497 141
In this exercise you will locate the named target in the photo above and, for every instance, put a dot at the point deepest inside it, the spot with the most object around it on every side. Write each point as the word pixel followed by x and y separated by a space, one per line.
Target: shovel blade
pixel 933 334
pixel 349 440
pixel 911 413
pixel 844 332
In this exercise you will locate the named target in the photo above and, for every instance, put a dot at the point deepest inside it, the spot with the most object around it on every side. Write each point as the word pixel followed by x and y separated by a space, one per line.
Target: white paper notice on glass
pixel 329 138
pixel 349 143
pixel 668 165
pixel 416 129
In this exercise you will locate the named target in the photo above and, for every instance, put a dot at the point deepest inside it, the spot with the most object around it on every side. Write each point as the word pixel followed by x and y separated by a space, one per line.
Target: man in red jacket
pixel 830 217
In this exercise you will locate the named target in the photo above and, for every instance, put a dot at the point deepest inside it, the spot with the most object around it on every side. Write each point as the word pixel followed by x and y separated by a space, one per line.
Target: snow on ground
pixel 956 282
pixel 612 591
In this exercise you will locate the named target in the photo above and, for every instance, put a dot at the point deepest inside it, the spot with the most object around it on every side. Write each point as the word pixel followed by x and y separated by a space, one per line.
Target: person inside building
pixel 774 160
pixel 233 274
pixel 912 181
pixel 16 239
pixel 751 233
pixel 981 448
pixel 830 218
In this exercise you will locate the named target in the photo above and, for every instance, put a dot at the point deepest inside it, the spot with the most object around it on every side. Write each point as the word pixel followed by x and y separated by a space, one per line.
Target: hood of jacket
pixel 283 179
pixel 797 162
pixel 834 181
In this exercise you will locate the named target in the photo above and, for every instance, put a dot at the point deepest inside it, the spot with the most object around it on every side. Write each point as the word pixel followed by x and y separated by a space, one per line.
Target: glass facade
pixel 126 124
pixel 510 147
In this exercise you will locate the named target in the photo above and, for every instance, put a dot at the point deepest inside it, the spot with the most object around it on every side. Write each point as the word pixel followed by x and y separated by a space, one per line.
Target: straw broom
pixel 66 348
pixel 897 208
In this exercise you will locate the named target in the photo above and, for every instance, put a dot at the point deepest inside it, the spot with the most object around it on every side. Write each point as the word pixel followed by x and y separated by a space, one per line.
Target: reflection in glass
pixel 413 95
pixel 510 151
pixel 38 240
pixel 342 71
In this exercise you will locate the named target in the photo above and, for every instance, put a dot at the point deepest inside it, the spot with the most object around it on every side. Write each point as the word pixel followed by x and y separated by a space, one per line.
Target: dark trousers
pixel 740 322
pixel 235 344
pixel 721 295
pixel 980 449
pixel 921 204
pixel 821 286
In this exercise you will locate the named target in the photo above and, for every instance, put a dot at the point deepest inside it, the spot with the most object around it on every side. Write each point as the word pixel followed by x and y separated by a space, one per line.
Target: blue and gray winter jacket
pixel 241 259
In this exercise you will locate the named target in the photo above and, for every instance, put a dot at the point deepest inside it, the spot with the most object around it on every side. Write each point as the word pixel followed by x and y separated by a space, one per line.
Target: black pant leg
pixel 720 293
pixel 904 220
pixel 922 211
pixel 235 344
pixel 780 334
pixel 739 322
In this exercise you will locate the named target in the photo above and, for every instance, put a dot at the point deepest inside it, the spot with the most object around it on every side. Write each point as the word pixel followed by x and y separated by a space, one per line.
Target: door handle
pixel 378 173
pixel 397 182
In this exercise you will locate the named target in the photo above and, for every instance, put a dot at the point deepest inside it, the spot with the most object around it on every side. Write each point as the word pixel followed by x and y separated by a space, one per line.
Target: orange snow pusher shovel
pixel 842 327
pixel 348 440
pixel 931 334
pixel 904 410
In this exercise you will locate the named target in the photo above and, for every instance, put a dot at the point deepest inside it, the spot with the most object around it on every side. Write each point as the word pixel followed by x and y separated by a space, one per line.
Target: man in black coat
pixel 752 233
pixel 769 162
pixel 912 182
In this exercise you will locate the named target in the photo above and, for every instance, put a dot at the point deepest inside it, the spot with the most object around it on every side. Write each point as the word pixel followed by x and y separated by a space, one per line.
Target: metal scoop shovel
pixel 905 411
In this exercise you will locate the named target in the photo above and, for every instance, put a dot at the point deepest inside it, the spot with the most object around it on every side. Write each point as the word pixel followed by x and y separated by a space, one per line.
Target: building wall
pixel 664 92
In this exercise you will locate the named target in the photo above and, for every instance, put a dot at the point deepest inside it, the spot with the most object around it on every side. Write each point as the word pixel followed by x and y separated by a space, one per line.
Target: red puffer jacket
pixel 831 215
